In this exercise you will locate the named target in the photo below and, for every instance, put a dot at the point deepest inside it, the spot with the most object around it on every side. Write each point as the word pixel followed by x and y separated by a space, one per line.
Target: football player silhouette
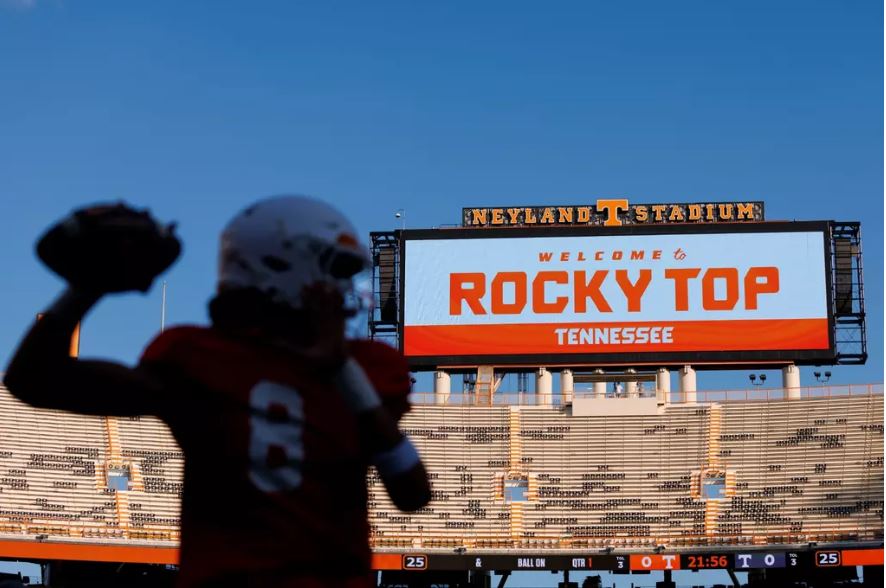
pixel 279 415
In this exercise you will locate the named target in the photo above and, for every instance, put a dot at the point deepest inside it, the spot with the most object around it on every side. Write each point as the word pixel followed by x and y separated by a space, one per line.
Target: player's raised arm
pixel 98 250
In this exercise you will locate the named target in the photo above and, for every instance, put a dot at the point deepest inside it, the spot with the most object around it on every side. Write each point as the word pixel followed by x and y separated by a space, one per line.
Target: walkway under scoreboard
pixel 734 560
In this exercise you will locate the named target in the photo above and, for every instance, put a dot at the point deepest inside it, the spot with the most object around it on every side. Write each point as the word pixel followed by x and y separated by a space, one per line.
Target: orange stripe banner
pixel 387 561
pixel 657 337
pixel 86 552
pixel 863 557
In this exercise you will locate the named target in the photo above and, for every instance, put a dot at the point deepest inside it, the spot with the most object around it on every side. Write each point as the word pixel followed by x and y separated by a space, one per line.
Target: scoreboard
pixel 733 560
pixel 669 295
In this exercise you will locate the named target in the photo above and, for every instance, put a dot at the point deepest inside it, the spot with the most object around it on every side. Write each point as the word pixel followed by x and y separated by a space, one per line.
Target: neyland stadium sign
pixel 613 213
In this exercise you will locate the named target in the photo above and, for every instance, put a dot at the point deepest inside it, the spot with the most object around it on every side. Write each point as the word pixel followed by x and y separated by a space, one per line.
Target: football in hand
pixel 109 248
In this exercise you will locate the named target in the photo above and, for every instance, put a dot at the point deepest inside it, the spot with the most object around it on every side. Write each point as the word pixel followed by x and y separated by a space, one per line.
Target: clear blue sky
pixel 196 108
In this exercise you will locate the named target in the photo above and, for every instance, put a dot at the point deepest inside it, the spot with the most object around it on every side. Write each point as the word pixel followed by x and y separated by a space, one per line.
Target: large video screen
pixel 642 295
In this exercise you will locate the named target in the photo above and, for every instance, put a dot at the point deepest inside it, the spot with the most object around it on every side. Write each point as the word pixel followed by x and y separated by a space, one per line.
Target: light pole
pixel 401 214
pixel 820 378
pixel 163 308
pixel 753 378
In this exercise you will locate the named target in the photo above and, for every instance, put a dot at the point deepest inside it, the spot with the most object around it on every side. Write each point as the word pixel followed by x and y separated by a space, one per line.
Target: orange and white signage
pixel 617 293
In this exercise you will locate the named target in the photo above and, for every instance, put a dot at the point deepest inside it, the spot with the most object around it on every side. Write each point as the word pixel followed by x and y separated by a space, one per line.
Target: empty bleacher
pixel 157 467
pixel 614 480
pixel 51 473
pixel 464 450
pixel 807 470
pixel 788 471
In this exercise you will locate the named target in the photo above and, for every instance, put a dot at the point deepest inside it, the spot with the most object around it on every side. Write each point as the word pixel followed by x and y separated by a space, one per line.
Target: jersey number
pixel 276 424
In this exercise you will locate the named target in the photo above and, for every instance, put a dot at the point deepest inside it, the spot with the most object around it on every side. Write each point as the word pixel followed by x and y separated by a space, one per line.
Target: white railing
pixel 701 396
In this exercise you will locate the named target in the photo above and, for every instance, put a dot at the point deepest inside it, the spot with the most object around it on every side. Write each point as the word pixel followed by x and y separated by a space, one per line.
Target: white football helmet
pixel 282 244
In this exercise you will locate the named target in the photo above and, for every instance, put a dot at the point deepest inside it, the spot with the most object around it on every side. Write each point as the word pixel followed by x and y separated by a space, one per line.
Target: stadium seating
pixel 639 481
pixel 157 466
pixel 467 448
pixel 807 469
pixel 504 477
pixel 619 478
pixel 52 473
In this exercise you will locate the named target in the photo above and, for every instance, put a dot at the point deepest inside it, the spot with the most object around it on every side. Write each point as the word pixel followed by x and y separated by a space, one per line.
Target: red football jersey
pixel 275 478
